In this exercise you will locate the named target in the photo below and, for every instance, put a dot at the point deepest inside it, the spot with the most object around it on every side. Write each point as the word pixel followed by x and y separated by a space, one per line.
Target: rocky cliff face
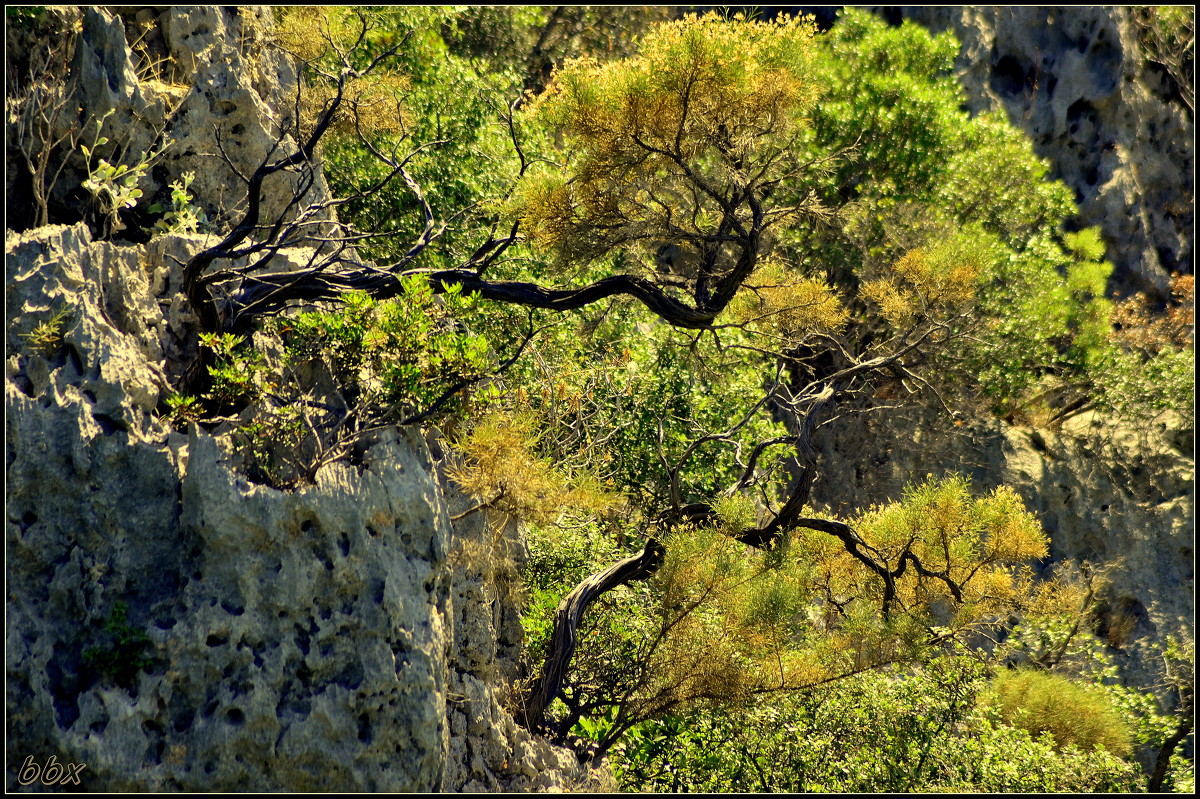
pixel 1109 121
pixel 199 81
pixel 342 636
pixel 170 625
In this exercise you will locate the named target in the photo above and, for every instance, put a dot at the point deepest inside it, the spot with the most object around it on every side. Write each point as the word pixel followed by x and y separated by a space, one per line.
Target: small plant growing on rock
pixel 183 216
pixel 47 336
pixel 114 187
pixel 239 373
pixel 122 653
pixel 182 409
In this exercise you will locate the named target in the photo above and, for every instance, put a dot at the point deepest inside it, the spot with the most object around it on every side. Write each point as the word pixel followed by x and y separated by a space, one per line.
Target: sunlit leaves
pixel 502 469
pixel 658 144
pixel 779 301
pixel 1073 714
pixel 401 355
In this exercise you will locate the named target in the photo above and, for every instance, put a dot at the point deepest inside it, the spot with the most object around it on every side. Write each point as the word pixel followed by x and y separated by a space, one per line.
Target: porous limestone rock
pixel 297 640
pixel 489 751
pixel 1074 79
pixel 204 82
pixel 338 637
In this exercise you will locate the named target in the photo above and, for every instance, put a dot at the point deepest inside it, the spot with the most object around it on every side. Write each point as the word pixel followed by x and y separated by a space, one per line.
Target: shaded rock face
pixel 1074 79
pixel 488 750
pixel 339 637
pixel 296 641
pixel 202 78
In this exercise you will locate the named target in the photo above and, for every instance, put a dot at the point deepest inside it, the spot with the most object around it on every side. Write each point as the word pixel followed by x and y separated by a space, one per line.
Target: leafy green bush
pixel 398 356
pixel 439 106
pixel 918 730
pixel 917 168
pixel 239 374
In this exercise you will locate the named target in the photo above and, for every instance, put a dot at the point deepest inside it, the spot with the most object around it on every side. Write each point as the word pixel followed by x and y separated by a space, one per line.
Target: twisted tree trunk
pixel 570 611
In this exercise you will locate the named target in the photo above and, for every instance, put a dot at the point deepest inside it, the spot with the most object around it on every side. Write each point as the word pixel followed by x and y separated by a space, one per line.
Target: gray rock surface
pixel 338 637
pixel 203 78
pixel 488 750
pixel 298 641
pixel 1073 78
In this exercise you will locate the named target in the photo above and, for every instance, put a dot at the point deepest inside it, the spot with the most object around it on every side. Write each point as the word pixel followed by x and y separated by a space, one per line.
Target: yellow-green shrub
pixel 1074 715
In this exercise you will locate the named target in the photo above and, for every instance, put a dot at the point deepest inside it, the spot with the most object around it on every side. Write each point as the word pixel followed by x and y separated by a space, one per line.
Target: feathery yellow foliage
pixel 308 32
pixel 939 278
pixel 939 274
pixel 706 100
pixel 372 104
pixel 895 304
pixel 1074 714
pixel 790 306
pixel 980 543
pixel 502 470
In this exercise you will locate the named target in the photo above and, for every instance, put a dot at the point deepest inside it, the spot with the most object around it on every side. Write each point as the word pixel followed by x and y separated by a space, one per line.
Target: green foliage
pixel 892 96
pixel 625 393
pixel 24 16
pixel 919 168
pixel 401 355
pixel 46 337
pixel 114 186
pixel 337 373
pixel 239 375
pixel 1140 389
pixel 182 409
pixel 1061 645
pixel 559 557
pixel 122 652
pixel 917 730
pixel 425 95
pixel 1049 323
pixel 182 217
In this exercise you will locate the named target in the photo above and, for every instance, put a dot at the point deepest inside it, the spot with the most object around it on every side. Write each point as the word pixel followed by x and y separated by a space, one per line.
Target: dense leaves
pixel 758 230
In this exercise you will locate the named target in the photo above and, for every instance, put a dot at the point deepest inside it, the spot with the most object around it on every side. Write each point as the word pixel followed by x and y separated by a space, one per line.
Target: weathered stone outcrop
pixel 489 751
pixel 297 639
pixel 171 625
pixel 1075 80
pixel 340 637
pixel 203 78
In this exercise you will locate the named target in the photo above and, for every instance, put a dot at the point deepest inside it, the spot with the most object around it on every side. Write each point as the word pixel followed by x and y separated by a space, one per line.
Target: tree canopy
pixel 639 292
